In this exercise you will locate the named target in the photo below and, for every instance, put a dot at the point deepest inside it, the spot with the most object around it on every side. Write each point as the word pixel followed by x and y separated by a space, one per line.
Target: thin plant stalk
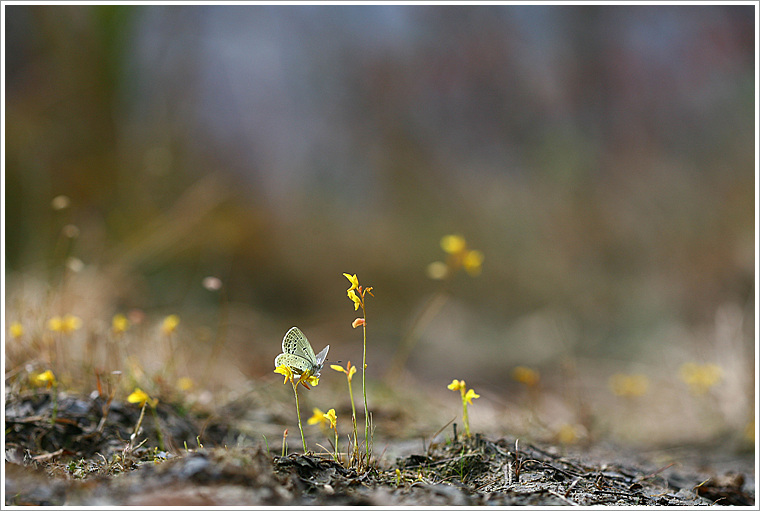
pixel 364 384
pixel 465 419
pixel 353 413
pixel 298 412
pixel 158 429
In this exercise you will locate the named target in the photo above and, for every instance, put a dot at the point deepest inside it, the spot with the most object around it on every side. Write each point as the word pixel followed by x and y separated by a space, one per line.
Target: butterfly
pixel 298 354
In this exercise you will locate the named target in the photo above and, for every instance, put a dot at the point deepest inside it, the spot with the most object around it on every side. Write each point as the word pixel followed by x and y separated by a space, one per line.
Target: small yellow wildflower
pixel 285 370
pixel 456 385
pixel 629 385
pixel 184 384
pixel 170 324
pixel 357 301
pixel 569 434
pixel 467 397
pixel 47 378
pixel 16 329
pixel 119 324
pixel 317 418
pixel 65 324
pixel 353 279
pixel 331 417
pixel 453 244
pixel 700 377
pixel 470 396
pixel 525 375
pixel 140 397
pixel 472 262
pixel 350 370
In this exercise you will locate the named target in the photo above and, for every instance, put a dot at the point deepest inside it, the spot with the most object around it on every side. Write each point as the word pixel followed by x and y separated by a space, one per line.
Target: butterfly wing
pixel 298 364
pixel 295 343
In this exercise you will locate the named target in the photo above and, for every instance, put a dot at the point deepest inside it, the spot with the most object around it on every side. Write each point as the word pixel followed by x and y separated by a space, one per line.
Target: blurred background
pixel 600 159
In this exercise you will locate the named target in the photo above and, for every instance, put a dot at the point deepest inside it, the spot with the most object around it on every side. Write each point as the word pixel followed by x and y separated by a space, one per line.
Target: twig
pixel 563 498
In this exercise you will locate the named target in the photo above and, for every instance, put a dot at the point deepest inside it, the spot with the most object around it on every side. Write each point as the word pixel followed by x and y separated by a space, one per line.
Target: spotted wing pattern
pixel 298 364
pixel 298 354
pixel 295 342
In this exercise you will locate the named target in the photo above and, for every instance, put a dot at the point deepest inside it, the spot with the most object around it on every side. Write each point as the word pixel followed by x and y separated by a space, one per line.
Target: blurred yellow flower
pixel 525 375
pixel 470 396
pixel 184 384
pixel 16 329
pixel 119 324
pixel 331 417
pixel 472 262
pixel 453 244
pixel 47 378
pixel 456 385
pixel 353 279
pixel 700 377
pixel 569 434
pixel 141 397
pixel 170 324
pixel 317 418
pixel 65 324
pixel 629 385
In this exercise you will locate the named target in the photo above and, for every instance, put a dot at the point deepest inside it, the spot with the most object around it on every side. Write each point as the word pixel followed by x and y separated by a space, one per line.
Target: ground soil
pixel 81 459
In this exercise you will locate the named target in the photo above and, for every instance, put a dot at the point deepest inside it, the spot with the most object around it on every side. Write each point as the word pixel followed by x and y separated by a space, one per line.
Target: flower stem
pixel 353 415
pixel 364 385
pixel 465 419
pixel 298 411
pixel 158 429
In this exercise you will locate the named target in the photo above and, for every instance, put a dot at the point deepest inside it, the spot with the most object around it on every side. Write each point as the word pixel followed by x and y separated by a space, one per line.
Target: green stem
pixel 158 429
pixel 465 419
pixel 298 411
pixel 364 386
pixel 353 413
pixel 336 443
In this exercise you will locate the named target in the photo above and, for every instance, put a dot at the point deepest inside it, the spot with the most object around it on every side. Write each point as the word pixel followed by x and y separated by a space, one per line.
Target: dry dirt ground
pixel 81 459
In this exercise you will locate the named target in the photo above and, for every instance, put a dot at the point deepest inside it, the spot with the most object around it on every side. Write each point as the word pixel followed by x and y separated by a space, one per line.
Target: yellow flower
pixel 470 396
pixel 700 377
pixel 353 279
pixel 330 416
pixel 453 244
pixel 357 301
pixel 170 324
pixel 47 378
pixel 629 385
pixel 65 324
pixel 16 330
pixel 526 376
pixel 141 397
pixel 184 384
pixel 456 385
pixel 119 324
pixel 350 370
pixel 317 418
pixel 285 370
pixel 472 262
pixel 569 434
